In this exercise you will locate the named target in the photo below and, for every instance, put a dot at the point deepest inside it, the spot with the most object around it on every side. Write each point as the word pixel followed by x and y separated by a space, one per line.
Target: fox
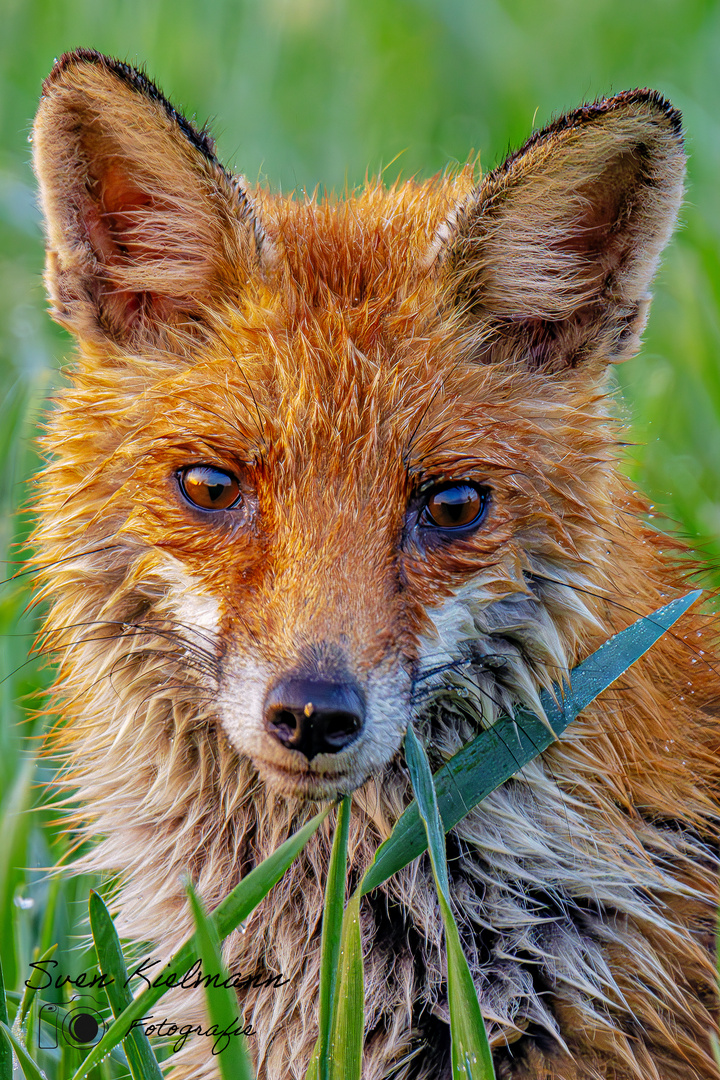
pixel 326 467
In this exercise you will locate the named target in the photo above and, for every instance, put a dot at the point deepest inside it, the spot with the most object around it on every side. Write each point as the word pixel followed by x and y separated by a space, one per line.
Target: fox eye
pixel 209 488
pixel 454 506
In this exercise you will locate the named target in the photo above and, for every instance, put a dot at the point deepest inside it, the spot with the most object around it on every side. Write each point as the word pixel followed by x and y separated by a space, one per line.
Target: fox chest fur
pixel 324 470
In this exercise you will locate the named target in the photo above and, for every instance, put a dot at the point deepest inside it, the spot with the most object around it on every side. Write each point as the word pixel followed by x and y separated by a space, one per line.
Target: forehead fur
pixel 370 247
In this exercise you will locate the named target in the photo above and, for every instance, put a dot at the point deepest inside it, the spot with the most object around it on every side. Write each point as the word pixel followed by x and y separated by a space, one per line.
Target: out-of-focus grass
pixel 310 92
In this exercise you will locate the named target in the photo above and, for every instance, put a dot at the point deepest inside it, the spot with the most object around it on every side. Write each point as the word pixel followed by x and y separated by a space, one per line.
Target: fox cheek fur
pixel 322 470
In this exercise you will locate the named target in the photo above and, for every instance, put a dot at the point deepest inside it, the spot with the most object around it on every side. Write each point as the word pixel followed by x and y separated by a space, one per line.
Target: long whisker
pixel 608 598
pixel 58 562
pixel 144 627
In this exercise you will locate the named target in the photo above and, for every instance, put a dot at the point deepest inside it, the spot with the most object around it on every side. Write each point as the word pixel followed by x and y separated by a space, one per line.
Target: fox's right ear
pixel 146 230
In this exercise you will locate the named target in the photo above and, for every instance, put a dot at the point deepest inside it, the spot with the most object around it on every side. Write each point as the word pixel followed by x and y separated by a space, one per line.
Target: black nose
pixel 313 716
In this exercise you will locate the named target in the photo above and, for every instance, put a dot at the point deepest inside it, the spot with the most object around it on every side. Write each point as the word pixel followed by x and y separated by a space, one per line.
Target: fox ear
pixel 145 228
pixel 550 259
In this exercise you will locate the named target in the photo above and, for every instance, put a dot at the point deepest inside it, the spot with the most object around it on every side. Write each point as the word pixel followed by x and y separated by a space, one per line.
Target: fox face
pixel 327 469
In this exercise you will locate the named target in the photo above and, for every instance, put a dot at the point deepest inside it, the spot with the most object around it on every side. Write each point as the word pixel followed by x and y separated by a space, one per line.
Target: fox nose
pixel 313 716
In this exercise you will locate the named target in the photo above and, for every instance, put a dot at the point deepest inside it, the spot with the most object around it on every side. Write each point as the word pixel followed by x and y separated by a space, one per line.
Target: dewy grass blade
pixel 233 910
pixel 349 1019
pixel 31 989
pixel 141 1059
pixel 470 1052
pixel 6 1058
pixel 222 1001
pixel 14 838
pixel 28 1066
pixel 331 939
pixel 496 754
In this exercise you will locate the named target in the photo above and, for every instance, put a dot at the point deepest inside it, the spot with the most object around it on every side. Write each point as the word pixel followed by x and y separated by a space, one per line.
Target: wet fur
pixel 338 356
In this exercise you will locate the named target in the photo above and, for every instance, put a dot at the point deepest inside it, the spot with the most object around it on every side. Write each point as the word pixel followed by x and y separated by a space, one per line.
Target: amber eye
pixel 209 488
pixel 455 506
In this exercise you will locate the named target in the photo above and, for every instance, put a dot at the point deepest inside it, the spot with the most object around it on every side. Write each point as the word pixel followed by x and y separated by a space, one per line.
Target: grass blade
pixel 28 1066
pixel 349 1020
pixel 140 1057
pixel 471 1057
pixel 331 942
pixel 233 910
pixel 16 828
pixel 222 1001
pixel 6 1058
pixel 31 990
pixel 496 754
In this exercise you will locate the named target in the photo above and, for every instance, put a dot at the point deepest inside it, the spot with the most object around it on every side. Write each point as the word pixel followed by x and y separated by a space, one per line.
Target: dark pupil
pixel 455 506
pixel 216 491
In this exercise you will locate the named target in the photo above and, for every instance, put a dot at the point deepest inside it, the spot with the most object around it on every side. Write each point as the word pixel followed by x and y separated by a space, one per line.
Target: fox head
pixel 322 465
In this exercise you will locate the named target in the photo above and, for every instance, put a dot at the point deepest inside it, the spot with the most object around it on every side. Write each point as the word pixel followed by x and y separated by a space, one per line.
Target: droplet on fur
pixel 243 927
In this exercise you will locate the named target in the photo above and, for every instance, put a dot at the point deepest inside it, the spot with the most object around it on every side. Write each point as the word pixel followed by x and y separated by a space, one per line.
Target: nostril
pixel 314 716
pixel 340 727
pixel 283 724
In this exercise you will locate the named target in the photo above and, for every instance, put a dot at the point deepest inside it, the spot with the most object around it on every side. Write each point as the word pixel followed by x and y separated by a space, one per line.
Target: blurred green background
pixel 303 93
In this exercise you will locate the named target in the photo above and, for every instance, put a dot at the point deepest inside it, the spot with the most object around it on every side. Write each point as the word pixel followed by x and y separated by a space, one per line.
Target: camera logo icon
pixel 80 1024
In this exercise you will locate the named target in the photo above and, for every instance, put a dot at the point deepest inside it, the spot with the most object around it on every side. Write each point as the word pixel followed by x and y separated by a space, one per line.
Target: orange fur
pixel 341 360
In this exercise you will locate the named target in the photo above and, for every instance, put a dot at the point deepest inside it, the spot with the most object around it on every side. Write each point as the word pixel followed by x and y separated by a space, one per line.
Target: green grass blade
pixel 28 1066
pixel 349 1020
pixel 223 1007
pixel 496 754
pixel 471 1057
pixel 14 835
pixel 331 941
pixel 233 910
pixel 6 1060
pixel 31 990
pixel 46 933
pixel 140 1057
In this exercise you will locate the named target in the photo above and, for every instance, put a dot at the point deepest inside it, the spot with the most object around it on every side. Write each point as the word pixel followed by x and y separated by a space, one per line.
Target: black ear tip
pixel 642 97
pixel 76 58
pixel 137 80
pixel 640 100
pixel 655 98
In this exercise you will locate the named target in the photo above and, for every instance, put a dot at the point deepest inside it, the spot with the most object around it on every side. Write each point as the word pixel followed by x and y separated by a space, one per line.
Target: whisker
pixel 58 562
pixel 623 607
pixel 203 661
pixel 149 628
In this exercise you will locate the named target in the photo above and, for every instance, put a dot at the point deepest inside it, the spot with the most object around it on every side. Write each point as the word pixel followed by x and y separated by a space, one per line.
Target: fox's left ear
pixel 147 232
pixel 550 259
